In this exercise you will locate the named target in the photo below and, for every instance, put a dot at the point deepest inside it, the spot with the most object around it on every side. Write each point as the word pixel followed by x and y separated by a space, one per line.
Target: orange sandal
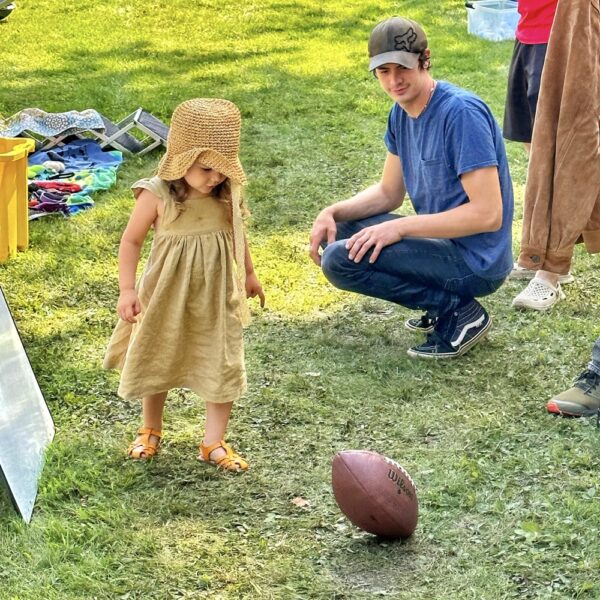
pixel 231 461
pixel 143 447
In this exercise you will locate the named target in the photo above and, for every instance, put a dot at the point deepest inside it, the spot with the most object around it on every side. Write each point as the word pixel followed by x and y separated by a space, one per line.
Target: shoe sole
pixel 464 348
pixel 554 408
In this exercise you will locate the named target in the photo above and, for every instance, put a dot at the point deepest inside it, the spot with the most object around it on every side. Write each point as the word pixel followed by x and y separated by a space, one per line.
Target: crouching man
pixel 446 151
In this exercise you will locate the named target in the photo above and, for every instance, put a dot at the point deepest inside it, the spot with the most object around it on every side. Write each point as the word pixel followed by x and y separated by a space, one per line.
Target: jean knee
pixel 331 260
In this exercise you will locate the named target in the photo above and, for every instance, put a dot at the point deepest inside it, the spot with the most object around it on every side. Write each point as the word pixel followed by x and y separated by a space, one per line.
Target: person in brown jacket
pixel 562 195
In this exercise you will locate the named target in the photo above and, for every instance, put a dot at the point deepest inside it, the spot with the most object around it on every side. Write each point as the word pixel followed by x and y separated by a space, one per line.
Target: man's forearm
pixel 371 201
pixel 457 222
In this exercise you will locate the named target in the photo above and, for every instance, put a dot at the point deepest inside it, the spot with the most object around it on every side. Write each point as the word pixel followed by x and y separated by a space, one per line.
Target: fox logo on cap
pixel 405 40
pixel 396 40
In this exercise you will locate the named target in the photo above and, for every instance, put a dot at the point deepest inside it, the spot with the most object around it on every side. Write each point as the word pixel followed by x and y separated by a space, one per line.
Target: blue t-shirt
pixel 456 134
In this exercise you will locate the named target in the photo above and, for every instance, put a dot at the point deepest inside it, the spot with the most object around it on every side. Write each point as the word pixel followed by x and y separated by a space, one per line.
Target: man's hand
pixel 324 228
pixel 253 288
pixel 376 237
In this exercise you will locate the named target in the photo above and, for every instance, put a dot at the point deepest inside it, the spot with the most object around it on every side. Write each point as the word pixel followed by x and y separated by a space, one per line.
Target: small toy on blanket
pixel 54 165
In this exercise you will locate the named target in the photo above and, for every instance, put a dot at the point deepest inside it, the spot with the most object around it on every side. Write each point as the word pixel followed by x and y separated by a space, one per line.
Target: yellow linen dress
pixel 189 333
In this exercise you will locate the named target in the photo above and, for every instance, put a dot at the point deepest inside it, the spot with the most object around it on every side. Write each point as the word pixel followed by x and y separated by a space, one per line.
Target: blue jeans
pixel 419 273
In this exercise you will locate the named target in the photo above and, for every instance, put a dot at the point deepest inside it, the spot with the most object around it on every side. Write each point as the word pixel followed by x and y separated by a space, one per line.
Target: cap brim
pixel 398 57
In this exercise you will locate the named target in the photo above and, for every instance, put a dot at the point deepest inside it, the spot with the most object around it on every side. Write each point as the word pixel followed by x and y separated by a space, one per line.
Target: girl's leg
pixel 144 445
pixel 217 419
pixel 153 407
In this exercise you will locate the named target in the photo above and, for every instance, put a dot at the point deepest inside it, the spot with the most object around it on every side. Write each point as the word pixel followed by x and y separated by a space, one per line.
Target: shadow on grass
pixel 306 140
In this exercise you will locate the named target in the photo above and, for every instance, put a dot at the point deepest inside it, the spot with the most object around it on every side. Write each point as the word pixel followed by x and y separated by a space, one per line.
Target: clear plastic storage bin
pixel 493 20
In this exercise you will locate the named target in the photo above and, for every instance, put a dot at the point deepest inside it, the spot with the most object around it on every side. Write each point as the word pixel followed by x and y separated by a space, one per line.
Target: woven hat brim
pixel 231 168
pixel 175 166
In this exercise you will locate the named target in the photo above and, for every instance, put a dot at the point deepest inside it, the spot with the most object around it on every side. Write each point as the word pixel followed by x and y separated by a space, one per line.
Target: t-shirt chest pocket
pixel 436 177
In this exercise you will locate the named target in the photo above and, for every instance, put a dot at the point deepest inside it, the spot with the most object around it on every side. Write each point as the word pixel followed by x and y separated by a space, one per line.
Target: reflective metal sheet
pixel 26 427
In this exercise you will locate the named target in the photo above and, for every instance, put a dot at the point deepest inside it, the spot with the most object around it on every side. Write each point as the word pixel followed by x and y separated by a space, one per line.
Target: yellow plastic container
pixel 14 223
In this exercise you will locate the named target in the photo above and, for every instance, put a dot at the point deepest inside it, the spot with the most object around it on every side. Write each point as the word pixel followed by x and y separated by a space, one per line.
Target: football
pixel 375 493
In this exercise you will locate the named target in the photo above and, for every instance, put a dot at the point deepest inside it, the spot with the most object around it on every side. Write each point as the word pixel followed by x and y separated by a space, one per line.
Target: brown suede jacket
pixel 562 195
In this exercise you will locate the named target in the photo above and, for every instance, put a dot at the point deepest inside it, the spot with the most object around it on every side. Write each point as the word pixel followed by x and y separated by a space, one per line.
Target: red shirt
pixel 536 21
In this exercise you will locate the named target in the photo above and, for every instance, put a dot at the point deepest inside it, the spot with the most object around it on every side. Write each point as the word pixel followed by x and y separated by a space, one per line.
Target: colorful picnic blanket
pixel 37 121
pixel 63 179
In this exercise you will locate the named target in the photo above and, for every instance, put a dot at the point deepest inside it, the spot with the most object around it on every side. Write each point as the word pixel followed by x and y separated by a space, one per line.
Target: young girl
pixel 181 326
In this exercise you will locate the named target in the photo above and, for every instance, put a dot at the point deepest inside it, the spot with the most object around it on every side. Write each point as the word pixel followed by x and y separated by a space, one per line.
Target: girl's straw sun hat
pixel 207 129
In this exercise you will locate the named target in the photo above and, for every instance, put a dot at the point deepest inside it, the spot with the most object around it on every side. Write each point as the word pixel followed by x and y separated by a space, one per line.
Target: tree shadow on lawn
pixel 276 95
pixel 118 92
pixel 143 73
pixel 305 138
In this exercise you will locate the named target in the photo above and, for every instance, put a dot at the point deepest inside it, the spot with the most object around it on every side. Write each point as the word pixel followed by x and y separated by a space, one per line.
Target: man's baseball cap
pixel 396 40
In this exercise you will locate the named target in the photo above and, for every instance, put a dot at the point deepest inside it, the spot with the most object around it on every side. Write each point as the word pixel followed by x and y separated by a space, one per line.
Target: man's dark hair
pixel 424 61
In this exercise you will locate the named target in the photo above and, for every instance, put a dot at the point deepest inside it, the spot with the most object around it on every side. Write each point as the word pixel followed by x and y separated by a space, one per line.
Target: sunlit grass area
pixel 508 495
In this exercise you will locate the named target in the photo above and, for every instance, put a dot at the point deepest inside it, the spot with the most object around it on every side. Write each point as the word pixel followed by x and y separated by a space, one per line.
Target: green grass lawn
pixel 509 496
